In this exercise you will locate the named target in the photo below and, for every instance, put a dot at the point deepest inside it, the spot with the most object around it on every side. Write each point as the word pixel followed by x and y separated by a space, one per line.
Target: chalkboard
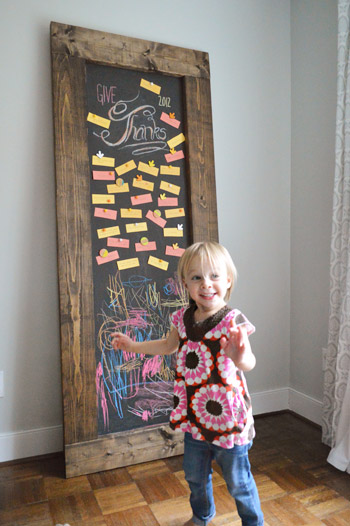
pixel 135 185
pixel 144 232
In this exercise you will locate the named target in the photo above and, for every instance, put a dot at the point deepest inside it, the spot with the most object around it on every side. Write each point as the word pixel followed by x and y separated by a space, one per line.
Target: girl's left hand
pixel 237 347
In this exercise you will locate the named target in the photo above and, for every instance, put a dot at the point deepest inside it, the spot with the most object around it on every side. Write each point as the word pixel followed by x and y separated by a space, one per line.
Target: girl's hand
pixel 121 341
pixel 237 347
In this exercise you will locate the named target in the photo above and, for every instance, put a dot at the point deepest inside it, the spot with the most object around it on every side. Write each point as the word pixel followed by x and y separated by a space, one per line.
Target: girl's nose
pixel 206 282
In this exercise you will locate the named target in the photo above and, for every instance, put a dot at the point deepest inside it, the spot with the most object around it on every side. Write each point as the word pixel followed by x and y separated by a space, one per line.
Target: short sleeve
pixel 241 319
pixel 176 318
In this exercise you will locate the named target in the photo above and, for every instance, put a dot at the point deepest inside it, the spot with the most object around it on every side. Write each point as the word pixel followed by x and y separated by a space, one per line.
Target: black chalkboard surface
pixel 139 228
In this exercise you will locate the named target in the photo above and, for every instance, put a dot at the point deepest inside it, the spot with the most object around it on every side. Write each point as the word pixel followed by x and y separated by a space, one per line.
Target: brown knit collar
pixel 195 330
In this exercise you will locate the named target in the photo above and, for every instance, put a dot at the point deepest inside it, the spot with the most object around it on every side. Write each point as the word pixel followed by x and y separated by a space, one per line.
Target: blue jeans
pixel 235 468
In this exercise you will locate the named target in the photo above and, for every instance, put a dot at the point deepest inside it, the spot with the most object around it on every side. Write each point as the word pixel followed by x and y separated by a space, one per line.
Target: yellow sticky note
pixel 128 263
pixel 145 185
pixel 103 161
pixel 152 170
pixel 175 141
pixel 130 212
pixel 169 170
pixel 173 232
pixel 103 199
pixel 174 212
pixel 150 86
pixel 136 227
pixel 159 263
pixel 116 189
pixel 100 121
pixel 126 167
pixel 108 232
pixel 172 188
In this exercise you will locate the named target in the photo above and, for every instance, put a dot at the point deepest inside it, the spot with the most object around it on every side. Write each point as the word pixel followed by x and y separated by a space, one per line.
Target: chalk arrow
pixel 100 154
pixel 139 177
pixel 180 227
pixel 162 196
pixel 172 115
pixel 175 246
pixel 173 151
pixel 151 163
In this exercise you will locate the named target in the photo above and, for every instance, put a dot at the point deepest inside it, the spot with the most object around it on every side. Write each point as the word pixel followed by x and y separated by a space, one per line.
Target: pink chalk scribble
pixel 100 391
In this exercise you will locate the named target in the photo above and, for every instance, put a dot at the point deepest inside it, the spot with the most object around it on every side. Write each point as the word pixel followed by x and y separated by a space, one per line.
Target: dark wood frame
pixel 71 48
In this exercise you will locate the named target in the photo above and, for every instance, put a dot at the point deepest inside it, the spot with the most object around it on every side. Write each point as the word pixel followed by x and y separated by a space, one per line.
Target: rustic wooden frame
pixel 71 48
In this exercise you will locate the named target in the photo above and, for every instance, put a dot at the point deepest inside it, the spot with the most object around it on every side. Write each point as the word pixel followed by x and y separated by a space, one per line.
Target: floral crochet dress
pixel 211 399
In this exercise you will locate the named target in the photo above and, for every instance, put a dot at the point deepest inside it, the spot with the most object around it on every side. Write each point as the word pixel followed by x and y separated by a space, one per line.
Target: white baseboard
pixel 31 443
pixel 36 442
pixel 305 406
pixel 288 398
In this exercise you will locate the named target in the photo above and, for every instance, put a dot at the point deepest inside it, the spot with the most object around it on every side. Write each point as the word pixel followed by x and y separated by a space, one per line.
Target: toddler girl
pixel 211 401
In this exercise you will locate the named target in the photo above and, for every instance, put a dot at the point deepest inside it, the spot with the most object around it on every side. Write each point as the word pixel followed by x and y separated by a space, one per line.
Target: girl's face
pixel 207 284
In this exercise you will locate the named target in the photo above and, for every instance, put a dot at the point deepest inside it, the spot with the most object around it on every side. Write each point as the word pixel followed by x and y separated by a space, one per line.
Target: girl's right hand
pixel 121 341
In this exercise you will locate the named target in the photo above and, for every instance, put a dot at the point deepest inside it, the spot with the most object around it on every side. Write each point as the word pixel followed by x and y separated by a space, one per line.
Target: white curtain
pixel 336 408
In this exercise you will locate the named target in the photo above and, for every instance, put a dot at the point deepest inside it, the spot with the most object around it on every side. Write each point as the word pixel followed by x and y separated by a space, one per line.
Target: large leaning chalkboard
pixel 135 184
pixel 139 229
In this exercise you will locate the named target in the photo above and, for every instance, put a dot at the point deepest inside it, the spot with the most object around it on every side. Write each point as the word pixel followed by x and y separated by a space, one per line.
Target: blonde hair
pixel 212 252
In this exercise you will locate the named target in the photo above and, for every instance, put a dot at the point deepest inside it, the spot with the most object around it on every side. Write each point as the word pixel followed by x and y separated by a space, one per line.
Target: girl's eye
pixel 215 276
pixel 195 278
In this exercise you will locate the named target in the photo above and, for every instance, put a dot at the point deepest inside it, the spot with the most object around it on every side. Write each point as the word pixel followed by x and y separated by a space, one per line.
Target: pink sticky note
pixel 105 213
pixel 171 157
pixel 157 220
pixel 141 199
pixel 173 122
pixel 171 251
pixel 168 201
pixel 111 257
pixel 151 245
pixel 117 242
pixel 103 175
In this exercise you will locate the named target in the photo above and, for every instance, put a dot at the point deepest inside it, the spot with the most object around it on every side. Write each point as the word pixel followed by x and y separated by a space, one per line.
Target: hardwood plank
pixel 292 478
pixel 127 52
pixel 200 159
pixel 172 512
pixel 122 449
pixel 75 508
pixel 105 479
pixel 338 519
pixel 60 487
pixel 148 469
pixel 14 493
pixel 74 248
pixel 161 487
pixel 287 511
pixel 140 516
pixel 30 515
pixel 322 501
pixel 119 498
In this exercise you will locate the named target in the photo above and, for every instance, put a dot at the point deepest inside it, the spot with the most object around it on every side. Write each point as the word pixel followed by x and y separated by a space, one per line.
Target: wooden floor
pixel 296 486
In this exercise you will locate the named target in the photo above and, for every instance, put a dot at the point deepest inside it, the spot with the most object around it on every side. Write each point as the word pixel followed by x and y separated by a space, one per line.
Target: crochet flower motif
pixel 225 441
pixel 226 368
pixel 180 402
pixel 194 363
pixel 216 409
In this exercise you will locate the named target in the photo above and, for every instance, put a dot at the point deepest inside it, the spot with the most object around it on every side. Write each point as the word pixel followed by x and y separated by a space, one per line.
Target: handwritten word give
pixel 106 94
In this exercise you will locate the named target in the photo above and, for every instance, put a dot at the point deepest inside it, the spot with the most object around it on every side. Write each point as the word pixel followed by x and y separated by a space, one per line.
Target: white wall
pixel 249 48
pixel 314 62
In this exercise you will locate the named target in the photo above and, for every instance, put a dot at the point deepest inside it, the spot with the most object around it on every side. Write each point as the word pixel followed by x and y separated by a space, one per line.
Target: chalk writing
pixel 136 128
pixel 106 94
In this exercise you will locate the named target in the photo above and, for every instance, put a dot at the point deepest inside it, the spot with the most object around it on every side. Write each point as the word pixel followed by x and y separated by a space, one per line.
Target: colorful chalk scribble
pixel 129 384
